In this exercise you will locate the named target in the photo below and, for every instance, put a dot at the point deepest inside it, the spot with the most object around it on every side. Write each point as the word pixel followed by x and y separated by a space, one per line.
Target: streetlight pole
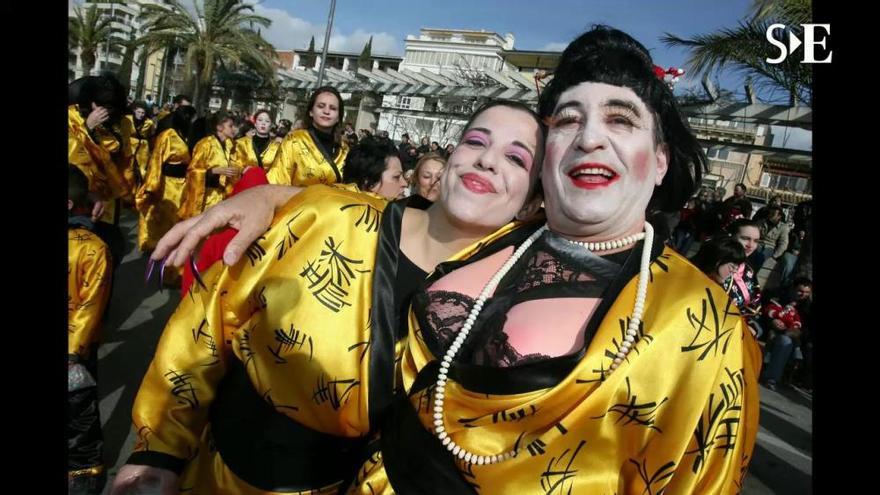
pixel 162 75
pixel 326 42
pixel 109 33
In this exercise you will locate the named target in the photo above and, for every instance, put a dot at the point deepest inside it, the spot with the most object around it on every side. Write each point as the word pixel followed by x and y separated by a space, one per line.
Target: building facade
pixel 476 58
pixel 109 56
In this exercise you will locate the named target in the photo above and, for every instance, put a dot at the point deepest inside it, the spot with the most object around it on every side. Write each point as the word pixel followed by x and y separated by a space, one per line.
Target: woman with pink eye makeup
pixel 338 269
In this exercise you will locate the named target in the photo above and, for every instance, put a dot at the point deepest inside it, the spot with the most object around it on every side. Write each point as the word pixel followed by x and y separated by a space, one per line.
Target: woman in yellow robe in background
pixel 116 138
pixel 144 128
pixel 314 154
pixel 159 198
pixel 211 171
pixel 259 150
pixel 85 150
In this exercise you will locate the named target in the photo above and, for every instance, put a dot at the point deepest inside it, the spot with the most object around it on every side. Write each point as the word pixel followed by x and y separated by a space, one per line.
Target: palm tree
pixel 219 33
pixel 88 30
pixel 745 49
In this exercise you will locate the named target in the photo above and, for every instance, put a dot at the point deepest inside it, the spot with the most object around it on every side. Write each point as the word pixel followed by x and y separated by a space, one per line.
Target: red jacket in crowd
pixel 212 249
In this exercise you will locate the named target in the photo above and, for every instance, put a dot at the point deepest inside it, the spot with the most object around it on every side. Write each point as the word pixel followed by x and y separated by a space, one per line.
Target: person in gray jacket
pixel 774 239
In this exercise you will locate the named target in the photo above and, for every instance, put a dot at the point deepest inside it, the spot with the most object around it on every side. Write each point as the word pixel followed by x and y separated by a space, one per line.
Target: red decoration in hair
pixel 659 72
pixel 674 73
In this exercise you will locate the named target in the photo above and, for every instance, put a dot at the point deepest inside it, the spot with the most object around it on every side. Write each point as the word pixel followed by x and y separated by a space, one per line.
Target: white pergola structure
pixel 508 85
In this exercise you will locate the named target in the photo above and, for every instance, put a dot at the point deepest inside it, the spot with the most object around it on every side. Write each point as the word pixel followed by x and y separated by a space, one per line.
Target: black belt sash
pixel 212 180
pixel 416 461
pixel 269 450
pixel 176 170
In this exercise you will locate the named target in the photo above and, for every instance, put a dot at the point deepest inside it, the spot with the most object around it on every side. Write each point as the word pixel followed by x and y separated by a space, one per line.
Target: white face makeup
pixel 601 163
pixel 262 124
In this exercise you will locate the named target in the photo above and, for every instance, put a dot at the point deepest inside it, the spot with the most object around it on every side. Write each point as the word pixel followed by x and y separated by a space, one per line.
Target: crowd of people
pixel 425 318
pixel 735 244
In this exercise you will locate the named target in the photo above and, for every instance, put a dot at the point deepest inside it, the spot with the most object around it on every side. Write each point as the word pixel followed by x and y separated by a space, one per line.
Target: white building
pixel 126 19
pixel 478 58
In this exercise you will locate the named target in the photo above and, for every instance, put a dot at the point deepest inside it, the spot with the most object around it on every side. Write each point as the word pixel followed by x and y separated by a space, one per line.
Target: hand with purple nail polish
pixel 250 212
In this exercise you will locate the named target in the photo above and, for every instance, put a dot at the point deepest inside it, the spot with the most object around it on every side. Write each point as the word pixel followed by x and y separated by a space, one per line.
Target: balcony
pixel 732 129
pixel 788 197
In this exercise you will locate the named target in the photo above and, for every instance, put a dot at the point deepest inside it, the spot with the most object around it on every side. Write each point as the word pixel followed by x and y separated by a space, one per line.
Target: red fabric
pixel 686 213
pixel 659 72
pixel 788 314
pixel 212 249
pixel 253 176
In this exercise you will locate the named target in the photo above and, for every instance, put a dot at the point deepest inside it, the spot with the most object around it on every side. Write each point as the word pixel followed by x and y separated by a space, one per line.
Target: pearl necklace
pixel 608 245
pixel 489 289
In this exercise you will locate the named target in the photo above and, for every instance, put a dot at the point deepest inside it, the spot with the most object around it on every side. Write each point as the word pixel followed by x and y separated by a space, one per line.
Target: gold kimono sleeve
pixel 149 129
pixel 269 313
pixel 196 175
pixel 153 180
pixel 117 140
pixel 207 154
pixel 93 159
pixel 281 170
pixel 88 289
pixel 173 402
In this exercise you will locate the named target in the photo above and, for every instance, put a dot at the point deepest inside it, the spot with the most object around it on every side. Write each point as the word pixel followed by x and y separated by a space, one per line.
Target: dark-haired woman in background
pixel 719 257
pixel 316 153
pixel 375 166
pixel 144 129
pixel 160 196
pixel 211 171
pixel 743 286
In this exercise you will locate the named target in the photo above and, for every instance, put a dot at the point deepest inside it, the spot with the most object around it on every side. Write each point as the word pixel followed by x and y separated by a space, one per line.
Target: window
pixel 786 182
pixel 404 102
pixel 718 153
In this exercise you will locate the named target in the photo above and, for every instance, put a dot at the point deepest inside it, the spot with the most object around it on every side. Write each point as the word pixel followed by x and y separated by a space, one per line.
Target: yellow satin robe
pixel 140 143
pixel 87 152
pixel 116 139
pixel 159 198
pixel 208 153
pixel 244 155
pixel 301 163
pixel 679 416
pixel 88 289
pixel 296 312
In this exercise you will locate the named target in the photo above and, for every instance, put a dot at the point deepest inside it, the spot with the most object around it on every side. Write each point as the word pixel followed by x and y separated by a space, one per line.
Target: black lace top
pixel 550 268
